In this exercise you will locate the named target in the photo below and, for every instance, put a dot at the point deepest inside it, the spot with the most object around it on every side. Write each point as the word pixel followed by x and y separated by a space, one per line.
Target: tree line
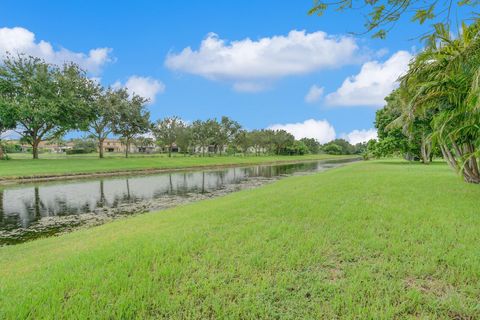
pixel 436 109
pixel 43 102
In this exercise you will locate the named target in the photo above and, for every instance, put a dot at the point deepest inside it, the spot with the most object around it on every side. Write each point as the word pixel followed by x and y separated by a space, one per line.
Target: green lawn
pixel 370 240
pixel 51 164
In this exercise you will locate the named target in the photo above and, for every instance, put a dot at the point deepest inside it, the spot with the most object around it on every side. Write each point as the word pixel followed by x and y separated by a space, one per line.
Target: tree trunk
pixel 469 169
pixel 425 150
pixel 2 154
pixel 100 147
pixel 35 144
pixel 449 157
pixel 170 151
pixel 127 146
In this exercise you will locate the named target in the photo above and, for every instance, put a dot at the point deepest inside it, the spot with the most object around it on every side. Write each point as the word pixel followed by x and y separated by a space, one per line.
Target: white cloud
pixel 20 40
pixel 266 59
pixel 372 84
pixel 143 86
pixel 358 136
pixel 314 94
pixel 321 130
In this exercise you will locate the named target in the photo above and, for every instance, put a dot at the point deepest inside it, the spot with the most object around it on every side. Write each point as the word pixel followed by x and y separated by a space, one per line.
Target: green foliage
pixel 312 145
pixel 78 151
pixel 166 132
pixel 297 147
pixel 382 16
pixel 342 146
pixel 83 145
pixel 131 117
pixel 11 147
pixel 226 132
pixel 243 140
pixel 440 104
pixel 106 104
pixel 332 148
pixel 44 100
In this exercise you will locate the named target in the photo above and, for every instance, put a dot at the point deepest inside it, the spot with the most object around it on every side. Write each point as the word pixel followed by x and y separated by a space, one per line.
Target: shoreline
pixel 57 225
pixel 5 181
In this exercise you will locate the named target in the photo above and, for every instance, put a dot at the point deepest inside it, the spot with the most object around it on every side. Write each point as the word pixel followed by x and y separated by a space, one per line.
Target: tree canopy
pixel 44 100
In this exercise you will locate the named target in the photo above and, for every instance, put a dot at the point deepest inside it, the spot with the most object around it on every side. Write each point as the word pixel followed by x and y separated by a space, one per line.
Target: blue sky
pixel 260 84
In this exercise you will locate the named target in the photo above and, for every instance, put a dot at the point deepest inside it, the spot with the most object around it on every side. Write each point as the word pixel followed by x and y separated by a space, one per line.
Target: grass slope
pixel 90 164
pixel 371 240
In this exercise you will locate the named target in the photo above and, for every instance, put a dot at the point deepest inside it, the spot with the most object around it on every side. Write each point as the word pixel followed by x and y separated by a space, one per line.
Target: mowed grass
pixel 370 240
pixel 48 165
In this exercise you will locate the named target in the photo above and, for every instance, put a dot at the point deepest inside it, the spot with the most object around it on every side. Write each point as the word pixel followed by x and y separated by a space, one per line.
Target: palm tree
pixel 445 82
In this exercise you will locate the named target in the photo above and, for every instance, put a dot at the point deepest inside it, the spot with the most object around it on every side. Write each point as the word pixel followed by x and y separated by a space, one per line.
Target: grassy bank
pixel 51 165
pixel 377 240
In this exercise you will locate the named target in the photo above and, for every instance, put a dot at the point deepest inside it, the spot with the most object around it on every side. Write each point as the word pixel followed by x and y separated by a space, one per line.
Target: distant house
pixel 113 145
pixel 45 146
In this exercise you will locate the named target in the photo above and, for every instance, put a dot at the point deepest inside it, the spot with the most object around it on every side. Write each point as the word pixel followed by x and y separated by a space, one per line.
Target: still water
pixel 22 207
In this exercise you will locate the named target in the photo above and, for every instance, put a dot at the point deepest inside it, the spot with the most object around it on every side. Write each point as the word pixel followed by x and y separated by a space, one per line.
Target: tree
pixel 213 133
pixel 344 145
pixel 226 133
pixel 142 143
pixel 199 135
pixel 7 122
pixel 391 133
pixel 281 140
pixel 45 100
pixel 312 145
pixel 332 148
pixel 361 148
pixel 445 83
pixel 297 147
pixel 205 133
pixel 243 140
pixel 382 16
pixel 86 145
pixel 131 118
pixel 166 130
pixel 106 108
pixel 257 140
pixel 184 138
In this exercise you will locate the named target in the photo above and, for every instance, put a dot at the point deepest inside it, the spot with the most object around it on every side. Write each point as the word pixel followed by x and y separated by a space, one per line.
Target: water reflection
pixel 23 205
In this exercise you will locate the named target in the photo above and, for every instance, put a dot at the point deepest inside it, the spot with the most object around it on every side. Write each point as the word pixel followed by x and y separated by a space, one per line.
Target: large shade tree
pixel 131 119
pixel 166 132
pixel 226 132
pixel 45 100
pixel 106 108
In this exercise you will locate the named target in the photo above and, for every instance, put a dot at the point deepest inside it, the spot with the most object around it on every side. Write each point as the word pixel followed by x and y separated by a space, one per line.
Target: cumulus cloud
pixel 358 136
pixel 321 130
pixel 374 82
pixel 143 86
pixel 256 61
pixel 20 40
pixel 314 94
